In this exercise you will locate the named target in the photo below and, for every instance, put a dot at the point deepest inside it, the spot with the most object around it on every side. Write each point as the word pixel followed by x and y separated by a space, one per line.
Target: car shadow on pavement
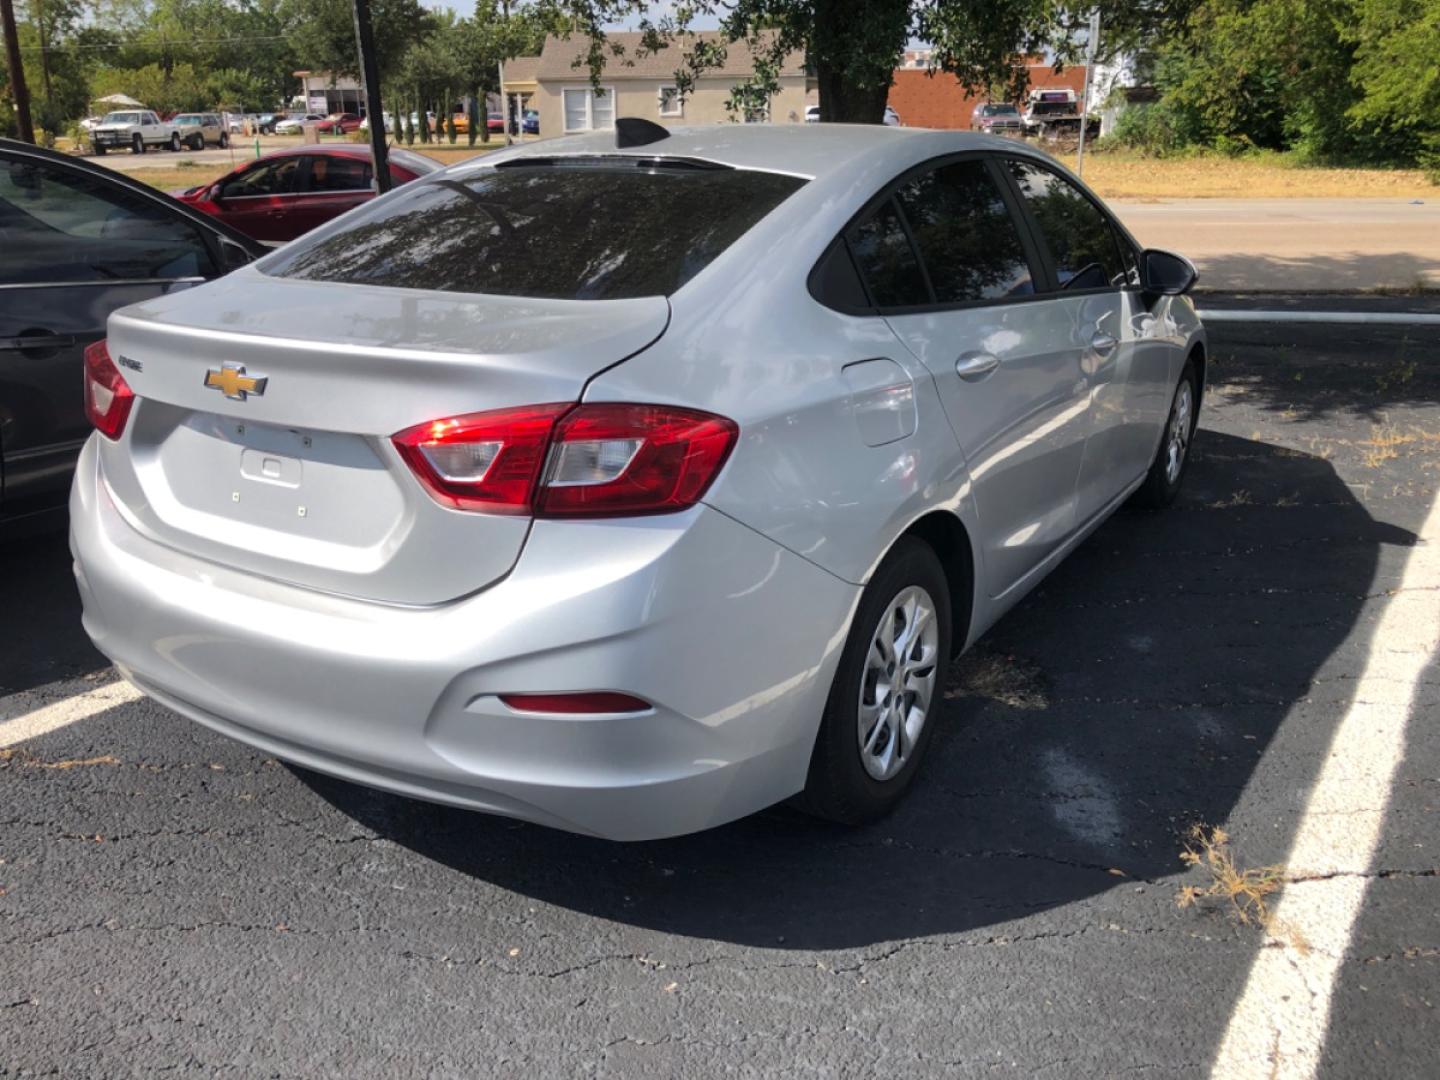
pixel 1131 695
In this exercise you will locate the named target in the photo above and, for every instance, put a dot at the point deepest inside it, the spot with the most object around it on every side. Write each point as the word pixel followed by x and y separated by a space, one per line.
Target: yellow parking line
pixel 32 713
pixel 1279 1024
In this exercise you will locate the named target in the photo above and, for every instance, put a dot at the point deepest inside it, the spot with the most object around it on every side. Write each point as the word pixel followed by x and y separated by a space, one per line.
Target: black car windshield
pixel 999 110
pixel 583 229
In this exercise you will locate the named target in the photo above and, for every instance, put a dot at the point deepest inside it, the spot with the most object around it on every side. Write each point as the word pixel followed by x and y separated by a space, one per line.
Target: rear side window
pixel 966 234
pixel 338 173
pixel 1081 242
pixel 596 231
pixel 887 261
pixel 61 225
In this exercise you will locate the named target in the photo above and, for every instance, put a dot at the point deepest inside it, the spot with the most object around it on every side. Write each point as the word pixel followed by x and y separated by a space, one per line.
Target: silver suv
pixel 198 129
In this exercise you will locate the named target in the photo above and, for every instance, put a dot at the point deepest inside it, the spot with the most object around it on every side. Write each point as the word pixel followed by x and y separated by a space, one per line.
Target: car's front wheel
pixel 880 715
pixel 224 141
pixel 1162 482
pixel 137 145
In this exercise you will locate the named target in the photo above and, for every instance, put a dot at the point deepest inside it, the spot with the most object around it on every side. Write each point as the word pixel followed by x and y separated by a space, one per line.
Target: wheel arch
pixel 947 536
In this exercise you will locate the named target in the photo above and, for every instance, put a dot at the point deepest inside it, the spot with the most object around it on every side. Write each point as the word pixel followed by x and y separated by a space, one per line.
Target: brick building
pixel 939 101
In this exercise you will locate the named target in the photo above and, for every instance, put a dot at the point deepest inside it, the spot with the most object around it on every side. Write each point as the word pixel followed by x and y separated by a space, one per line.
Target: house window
pixel 589 110
pixel 671 103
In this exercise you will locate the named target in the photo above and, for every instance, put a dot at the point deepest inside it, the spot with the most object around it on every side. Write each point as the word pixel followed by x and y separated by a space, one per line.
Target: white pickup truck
pixel 135 130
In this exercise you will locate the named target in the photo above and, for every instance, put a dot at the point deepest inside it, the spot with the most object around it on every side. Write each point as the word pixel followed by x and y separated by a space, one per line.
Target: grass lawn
pixel 1115 175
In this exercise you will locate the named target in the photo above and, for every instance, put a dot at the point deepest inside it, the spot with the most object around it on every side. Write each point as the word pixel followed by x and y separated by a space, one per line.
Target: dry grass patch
pixel 1244 893
pixel 1116 175
pixel 1008 680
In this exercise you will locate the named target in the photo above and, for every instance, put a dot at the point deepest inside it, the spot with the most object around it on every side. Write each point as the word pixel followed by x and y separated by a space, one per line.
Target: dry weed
pixel 1245 891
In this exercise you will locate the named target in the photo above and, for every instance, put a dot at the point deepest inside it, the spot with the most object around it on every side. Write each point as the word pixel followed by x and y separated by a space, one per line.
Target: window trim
pixel 1118 232
pixel 1039 269
pixel 589 92
pixel 679 109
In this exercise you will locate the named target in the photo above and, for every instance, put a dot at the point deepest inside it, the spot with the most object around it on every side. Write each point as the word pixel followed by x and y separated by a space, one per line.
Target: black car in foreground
pixel 77 241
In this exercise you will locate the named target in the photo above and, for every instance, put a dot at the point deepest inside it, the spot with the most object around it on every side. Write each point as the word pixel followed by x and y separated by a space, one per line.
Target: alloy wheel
pixel 1177 436
pixel 898 684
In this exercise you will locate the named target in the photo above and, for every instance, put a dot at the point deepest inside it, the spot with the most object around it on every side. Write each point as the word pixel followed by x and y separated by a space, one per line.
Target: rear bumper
pixel 733 639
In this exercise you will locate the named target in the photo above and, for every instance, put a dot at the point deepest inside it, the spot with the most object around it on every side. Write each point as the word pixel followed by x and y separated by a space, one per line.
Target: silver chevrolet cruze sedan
pixel 629 483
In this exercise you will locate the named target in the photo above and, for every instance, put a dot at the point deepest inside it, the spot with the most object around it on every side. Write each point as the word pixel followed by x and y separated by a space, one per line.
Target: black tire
pixel 174 142
pixel 137 145
pixel 99 150
pixel 1162 483
pixel 839 786
pixel 224 141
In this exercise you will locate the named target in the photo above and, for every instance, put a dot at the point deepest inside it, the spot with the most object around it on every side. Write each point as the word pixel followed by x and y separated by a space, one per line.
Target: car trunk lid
pixel 294 477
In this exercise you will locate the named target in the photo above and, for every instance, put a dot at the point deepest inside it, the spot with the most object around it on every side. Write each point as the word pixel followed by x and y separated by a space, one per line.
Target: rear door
pixel 75 249
pixel 958 279
pixel 1096 280
pixel 331 185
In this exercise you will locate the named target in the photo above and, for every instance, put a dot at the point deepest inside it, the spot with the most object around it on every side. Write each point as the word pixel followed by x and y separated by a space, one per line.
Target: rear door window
pixel 966 234
pixel 1083 247
pixel 60 225
pixel 594 229
pixel 887 260
pixel 337 173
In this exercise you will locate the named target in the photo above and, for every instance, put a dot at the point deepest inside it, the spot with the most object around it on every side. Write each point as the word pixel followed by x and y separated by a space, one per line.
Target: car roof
pixel 808 150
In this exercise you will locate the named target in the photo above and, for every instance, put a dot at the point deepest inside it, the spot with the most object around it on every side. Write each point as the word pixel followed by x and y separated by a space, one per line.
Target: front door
pixel 958 282
pixel 76 248
pixel 256 200
pixel 1096 274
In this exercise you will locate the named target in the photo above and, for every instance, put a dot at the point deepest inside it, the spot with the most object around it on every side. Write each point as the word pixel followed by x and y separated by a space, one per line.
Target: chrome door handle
pixel 975 365
pixel 1103 343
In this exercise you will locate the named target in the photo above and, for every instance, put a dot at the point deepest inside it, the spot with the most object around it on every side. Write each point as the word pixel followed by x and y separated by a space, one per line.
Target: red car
pixel 289 192
pixel 338 124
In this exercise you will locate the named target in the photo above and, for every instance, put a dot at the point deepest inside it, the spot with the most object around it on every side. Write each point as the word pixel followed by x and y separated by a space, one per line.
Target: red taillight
pixel 483 461
pixel 613 459
pixel 107 396
pixel 595 460
pixel 597 701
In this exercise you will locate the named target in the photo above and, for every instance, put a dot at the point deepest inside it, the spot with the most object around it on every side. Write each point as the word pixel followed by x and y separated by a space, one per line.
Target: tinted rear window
pixel 581 232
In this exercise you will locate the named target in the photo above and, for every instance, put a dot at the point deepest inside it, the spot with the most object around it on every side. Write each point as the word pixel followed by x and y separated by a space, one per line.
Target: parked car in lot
pixel 235 123
pixel 293 125
pixel 531 122
pixel 289 192
pixel 136 130
pixel 267 122
pixel 495 122
pixel 996 118
pixel 339 124
pixel 388 120
pixel 197 129
pixel 80 241
pixel 891 118
pixel 509 492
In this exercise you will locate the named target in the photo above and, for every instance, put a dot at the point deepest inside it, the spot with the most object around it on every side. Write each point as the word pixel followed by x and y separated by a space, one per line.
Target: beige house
pixel 641 86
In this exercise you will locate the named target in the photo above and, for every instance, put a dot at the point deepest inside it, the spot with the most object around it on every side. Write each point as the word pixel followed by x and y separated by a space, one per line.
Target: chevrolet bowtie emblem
pixel 232 381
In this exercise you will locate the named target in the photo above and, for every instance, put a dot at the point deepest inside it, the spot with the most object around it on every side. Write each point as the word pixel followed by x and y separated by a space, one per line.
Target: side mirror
pixel 234 255
pixel 1163 273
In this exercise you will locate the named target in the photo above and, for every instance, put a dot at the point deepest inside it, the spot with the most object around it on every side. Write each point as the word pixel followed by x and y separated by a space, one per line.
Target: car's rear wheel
pixel 880 716
pixel 224 141
pixel 174 142
pixel 99 150
pixel 137 145
pixel 1162 482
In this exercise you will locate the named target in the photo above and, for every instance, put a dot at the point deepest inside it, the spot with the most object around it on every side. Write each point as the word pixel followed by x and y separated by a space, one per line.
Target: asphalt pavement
pixel 1259 657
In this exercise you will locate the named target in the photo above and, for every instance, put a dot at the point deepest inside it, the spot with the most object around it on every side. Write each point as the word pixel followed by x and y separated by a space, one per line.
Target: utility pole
pixel 1090 47
pixel 500 69
pixel 370 74
pixel 17 71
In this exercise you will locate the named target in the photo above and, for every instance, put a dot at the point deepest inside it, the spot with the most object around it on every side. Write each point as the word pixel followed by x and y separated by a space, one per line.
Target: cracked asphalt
pixel 173 902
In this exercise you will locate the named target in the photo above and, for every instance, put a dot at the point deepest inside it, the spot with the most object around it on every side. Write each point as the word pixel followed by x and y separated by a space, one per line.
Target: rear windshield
pixel 604 230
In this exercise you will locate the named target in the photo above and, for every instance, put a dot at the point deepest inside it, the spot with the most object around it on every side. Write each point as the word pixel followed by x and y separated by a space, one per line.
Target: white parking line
pixel 31 713
pixel 1279 1024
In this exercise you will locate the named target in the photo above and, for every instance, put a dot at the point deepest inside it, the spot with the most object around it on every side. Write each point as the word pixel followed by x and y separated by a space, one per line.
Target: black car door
pixel 76 245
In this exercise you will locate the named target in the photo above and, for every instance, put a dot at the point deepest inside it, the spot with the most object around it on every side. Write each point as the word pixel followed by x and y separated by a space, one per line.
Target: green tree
pixel 1397 72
